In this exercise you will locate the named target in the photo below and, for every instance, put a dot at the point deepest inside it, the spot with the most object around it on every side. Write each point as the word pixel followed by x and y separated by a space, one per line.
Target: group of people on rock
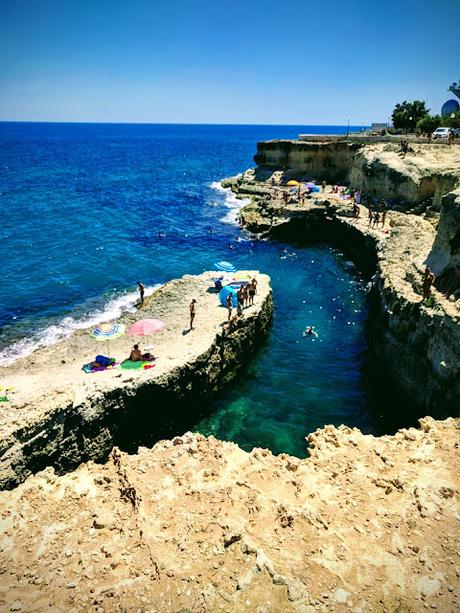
pixel 244 297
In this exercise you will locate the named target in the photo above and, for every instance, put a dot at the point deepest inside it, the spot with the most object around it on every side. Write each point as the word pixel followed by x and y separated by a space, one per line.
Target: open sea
pixel 81 208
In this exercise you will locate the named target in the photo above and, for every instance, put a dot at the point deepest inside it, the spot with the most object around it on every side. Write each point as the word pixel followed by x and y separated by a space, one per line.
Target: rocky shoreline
pixel 416 343
pixel 60 416
pixel 365 524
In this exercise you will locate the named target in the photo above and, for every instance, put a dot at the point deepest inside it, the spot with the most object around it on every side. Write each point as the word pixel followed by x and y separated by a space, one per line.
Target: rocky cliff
pixel 368 525
pixel 60 416
pixel 445 254
pixel 416 344
pixel 426 172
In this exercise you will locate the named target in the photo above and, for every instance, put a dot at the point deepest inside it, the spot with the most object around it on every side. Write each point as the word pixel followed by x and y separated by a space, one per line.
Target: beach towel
pixel 141 365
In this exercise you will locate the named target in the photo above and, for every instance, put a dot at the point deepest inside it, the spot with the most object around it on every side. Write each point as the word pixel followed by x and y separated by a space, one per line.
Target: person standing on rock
pixel 192 309
pixel 240 301
pixel 229 304
pixel 252 293
pixel 371 215
pixel 141 289
pixel 428 280
pixel 323 186
pixel 384 214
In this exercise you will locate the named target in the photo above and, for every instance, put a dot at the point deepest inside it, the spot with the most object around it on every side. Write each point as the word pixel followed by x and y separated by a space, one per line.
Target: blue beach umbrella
pixel 226 291
pixel 225 266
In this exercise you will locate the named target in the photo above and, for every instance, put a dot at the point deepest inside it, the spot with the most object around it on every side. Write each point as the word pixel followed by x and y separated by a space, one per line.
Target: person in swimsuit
pixel 428 280
pixel 240 301
pixel 192 310
pixel 229 304
pixel 252 293
pixel 246 296
pixel 141 291
pixel 137 356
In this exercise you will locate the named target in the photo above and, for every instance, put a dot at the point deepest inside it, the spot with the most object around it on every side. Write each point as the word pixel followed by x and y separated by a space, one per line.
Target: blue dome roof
pixel 449 107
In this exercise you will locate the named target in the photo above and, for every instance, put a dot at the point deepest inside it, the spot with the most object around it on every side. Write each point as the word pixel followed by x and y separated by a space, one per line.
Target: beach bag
pixel 103 360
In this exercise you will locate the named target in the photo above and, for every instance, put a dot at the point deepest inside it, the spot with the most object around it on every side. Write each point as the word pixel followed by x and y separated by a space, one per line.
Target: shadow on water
pixel 156 415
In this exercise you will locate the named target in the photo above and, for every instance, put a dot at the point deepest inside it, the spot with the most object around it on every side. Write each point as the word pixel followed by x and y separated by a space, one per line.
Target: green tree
pixel 407 114
pixel 452 122
pixel 429 123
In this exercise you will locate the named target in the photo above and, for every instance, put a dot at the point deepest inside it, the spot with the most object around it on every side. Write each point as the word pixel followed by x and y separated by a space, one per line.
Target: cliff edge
pixel 365 524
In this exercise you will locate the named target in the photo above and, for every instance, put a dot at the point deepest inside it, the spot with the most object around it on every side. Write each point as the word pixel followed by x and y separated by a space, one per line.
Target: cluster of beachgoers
pixel 285 192
pixel 234 292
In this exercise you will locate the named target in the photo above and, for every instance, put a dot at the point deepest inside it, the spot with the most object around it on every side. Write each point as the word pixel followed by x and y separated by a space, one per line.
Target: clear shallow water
pixel 81 207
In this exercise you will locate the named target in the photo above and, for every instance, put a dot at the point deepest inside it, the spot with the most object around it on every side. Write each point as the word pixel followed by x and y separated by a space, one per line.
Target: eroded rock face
pixel 365 524
pixel 427 172
pixel 445 253
pixel 330 160
pixel 418 343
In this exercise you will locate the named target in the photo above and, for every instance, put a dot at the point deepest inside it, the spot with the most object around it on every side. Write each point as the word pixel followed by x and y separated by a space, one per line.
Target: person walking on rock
pixel 192 309
pixel 240 301
pixel 428 280
pixel 252 293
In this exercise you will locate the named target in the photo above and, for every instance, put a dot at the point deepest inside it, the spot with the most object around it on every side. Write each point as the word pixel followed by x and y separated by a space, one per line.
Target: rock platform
pixel 59 415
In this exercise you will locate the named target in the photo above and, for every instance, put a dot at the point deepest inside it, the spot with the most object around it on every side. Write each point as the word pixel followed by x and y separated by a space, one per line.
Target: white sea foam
pixel 233 203
pixel 114 308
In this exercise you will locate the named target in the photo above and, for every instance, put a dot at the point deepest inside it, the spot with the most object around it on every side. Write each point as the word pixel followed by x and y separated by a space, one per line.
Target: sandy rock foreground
pixel 196 524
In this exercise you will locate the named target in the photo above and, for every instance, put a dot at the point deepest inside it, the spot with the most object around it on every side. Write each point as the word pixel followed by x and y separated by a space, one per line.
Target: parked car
pixel 456 132
pixel 441 133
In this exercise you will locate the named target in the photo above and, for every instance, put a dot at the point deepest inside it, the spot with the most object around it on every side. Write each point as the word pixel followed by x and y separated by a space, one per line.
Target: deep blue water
pixel 81 207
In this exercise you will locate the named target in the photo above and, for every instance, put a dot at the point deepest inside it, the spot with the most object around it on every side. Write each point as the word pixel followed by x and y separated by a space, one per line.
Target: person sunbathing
pixel 137 356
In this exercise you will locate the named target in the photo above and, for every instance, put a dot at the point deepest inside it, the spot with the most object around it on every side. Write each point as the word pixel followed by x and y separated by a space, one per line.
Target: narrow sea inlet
pixel 87 210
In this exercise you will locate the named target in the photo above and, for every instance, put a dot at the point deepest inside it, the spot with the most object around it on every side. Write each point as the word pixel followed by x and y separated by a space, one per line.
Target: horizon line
pixel 179 123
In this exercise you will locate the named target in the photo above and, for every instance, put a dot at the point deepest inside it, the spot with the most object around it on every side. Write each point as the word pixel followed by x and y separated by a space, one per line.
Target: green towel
pixel 128 365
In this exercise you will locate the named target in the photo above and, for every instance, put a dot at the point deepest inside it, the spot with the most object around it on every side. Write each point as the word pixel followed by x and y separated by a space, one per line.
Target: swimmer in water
pixel 310 331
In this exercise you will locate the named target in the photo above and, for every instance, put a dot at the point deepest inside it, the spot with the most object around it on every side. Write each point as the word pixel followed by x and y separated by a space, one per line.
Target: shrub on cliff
pixel 429 123
pixel 407 114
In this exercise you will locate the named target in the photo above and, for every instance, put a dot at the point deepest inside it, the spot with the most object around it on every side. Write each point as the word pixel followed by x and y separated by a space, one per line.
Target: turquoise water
pixel 82 207
pixel 298 383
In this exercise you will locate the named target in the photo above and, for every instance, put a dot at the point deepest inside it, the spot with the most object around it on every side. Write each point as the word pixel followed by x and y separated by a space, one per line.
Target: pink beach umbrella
pixel 145 327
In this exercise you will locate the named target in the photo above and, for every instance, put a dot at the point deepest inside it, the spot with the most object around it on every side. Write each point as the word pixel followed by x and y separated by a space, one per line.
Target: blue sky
pixel 222 61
